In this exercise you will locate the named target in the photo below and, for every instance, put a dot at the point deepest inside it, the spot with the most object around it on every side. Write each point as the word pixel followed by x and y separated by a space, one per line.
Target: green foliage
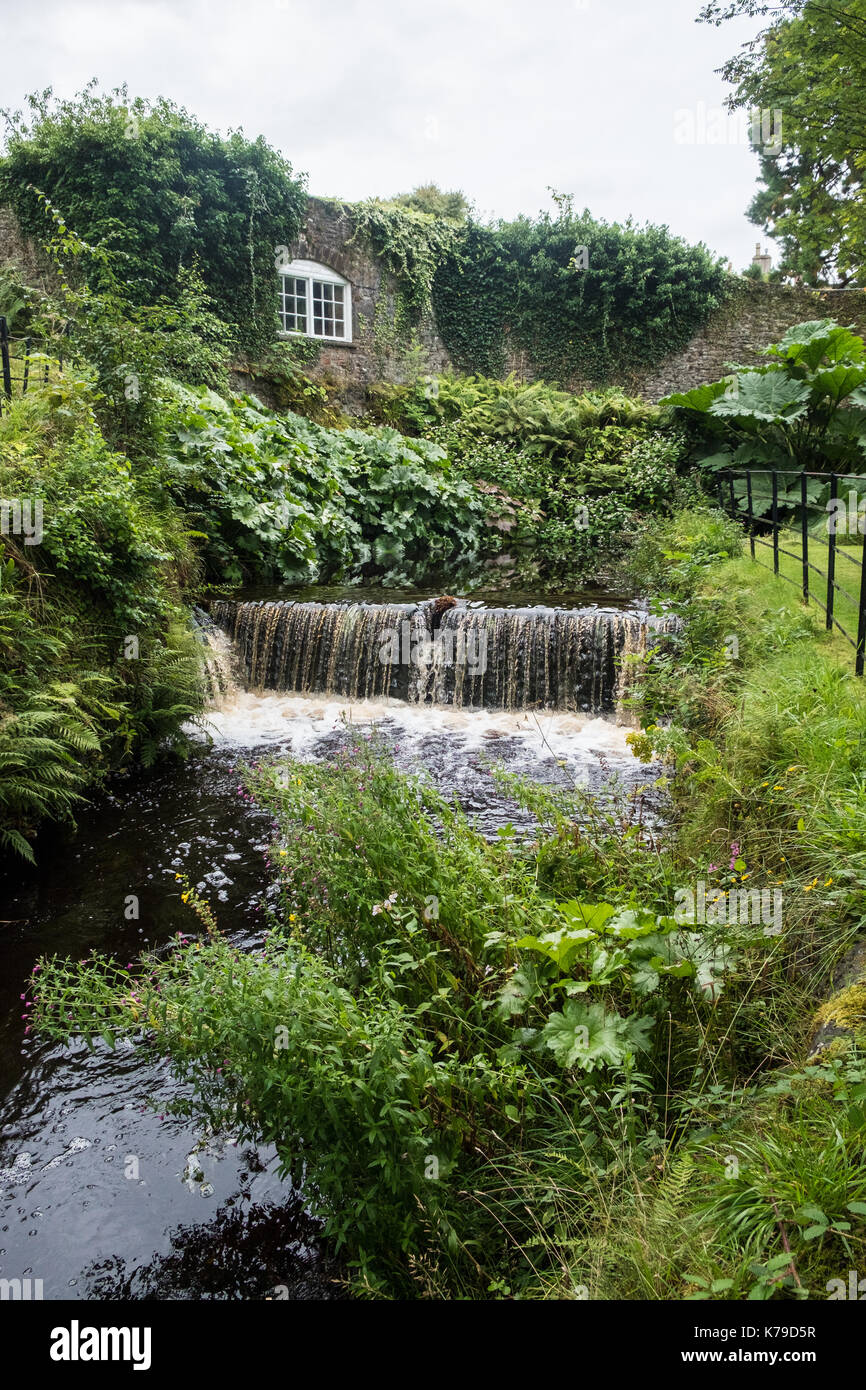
pixel 410 245
pixel 508 1068
pixel 430 198
pixel 371 1040
pixel 807 66
pixel 804 409
pixel 15 301
pixel 151 183
pixel 125 350
pixel 571 473
pixel 282 369
pixel 77 697
pixel 282 497
pixel 575 297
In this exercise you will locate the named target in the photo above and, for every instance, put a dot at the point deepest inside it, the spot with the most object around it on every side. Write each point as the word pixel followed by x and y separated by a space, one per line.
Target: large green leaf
pixel 562 947
pixel 837 382
pixel 585 1036
pixel 699 398
pixel 764 395
pixel 812 342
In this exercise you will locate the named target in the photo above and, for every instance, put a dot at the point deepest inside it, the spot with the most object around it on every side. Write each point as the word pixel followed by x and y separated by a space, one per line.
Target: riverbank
pixel 515 1069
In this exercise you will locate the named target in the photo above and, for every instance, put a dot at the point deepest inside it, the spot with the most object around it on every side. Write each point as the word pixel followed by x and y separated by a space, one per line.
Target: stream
pixel 100 1196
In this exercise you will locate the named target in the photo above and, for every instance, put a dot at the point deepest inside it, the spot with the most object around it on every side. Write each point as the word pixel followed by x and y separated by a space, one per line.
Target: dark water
pixel 97 1194
pixel 493 588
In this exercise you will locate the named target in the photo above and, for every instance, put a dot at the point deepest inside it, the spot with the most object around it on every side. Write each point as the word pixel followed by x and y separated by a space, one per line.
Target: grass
pixel 848 573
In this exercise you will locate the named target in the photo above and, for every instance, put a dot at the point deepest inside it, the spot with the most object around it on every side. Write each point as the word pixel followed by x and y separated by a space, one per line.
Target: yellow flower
pixel 778 788
pixel 828 882
pixel 791 769
pixel 765 784
pixel 177 878
pixel 292 917
pixel 282 851
pixel 808 888
pixel 183 897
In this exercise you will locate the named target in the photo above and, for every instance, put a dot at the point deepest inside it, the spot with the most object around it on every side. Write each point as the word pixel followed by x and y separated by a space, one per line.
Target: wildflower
pixel 828 882
pixel 778 788
pixel 292 917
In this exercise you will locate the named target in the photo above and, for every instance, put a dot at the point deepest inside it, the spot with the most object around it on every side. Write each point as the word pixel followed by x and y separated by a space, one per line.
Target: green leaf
pixel 765 395
pixel 584 1035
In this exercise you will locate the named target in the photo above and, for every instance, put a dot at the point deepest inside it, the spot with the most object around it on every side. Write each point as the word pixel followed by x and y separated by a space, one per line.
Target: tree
pixel 151 183
pixel 429 197
pixel 809 64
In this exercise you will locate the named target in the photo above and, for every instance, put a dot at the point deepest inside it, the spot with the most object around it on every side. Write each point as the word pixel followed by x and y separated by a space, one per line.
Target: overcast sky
pixel 614 101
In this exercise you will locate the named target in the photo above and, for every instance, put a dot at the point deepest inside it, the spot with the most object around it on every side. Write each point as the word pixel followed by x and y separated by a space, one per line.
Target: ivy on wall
pixel 410 245
pixel 576 298
pixel 150 182
pixel 572 298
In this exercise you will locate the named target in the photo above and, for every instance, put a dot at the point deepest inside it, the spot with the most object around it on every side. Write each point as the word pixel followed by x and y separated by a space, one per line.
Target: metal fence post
pixel 4 354
pixel 861 621
pixel 804 532
pixel 831 553
pixel 775 522
pixel 751 518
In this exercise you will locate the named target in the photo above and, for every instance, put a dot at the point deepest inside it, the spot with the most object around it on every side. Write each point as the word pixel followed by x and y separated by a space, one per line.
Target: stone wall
pixel 374 354
pixel 759 313
pixel 20 253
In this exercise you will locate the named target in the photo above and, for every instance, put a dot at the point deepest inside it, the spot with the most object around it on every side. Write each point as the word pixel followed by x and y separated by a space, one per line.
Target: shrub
pixel 152 183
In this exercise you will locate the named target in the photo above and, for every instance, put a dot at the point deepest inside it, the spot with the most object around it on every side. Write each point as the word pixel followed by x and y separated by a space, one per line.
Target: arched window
pixel 315 301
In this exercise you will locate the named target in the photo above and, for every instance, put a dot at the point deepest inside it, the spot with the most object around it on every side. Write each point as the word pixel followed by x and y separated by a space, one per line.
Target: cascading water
pixel 578 660
pixel 70 1120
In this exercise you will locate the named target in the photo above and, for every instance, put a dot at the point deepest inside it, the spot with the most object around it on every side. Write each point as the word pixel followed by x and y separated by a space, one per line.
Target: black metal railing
pixel 802 495
pixel 16 363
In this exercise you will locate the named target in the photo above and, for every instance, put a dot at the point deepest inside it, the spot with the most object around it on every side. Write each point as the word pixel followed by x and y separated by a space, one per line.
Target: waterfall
pixel 494 658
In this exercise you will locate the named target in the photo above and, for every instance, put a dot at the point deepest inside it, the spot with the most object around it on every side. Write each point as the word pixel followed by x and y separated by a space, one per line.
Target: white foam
pixel 249 720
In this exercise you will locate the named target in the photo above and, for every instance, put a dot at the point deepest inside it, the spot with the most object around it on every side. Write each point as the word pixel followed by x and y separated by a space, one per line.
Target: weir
pixel 493 658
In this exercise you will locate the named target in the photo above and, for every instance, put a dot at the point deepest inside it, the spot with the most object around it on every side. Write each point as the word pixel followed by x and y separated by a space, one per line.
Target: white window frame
pixel 311 272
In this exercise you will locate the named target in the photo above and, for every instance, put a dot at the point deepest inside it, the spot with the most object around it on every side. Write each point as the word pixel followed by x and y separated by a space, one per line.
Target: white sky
pixel 498 97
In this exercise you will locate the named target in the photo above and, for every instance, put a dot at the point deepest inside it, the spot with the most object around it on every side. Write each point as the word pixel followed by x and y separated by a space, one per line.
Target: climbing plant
pixel 410 245
pixel 150 182
pixel 576 297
